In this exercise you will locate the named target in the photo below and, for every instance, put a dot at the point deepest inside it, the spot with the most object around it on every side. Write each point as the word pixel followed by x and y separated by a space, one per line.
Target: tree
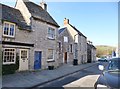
pixel 104 50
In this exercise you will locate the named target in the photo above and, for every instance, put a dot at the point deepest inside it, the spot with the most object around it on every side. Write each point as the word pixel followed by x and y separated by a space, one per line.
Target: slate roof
pixel 91 45
pixel 94 47
pixel 77 31
pixel 13 15
pixel 61 30
pixel 39 13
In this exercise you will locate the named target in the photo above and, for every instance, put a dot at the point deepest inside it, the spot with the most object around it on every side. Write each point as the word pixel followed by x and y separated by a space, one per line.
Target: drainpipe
pixel 75 60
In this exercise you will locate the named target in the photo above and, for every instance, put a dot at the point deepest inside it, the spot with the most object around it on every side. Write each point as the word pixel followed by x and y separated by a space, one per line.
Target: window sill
pixel 50 60
pixel 9 63
pixel 51 38
pixel 6 36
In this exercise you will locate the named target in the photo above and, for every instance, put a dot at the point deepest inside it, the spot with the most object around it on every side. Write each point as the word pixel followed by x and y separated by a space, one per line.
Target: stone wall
pixel 66 46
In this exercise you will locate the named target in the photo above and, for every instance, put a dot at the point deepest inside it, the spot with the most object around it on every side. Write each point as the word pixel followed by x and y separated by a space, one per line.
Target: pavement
pixel 34 78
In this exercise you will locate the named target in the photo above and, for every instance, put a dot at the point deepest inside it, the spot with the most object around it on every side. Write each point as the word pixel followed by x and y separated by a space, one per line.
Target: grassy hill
pixel 104 50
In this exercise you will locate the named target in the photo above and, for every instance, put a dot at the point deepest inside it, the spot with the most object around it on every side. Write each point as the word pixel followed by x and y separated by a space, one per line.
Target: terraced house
pixel 91 52
pixel 73 44
pixel 14 27
pixel 29 33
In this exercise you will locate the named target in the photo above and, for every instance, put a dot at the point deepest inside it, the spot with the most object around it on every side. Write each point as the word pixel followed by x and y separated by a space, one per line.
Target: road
pixel 84 78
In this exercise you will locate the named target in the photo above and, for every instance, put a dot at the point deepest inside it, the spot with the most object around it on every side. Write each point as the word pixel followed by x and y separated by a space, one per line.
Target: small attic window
pixel 65 39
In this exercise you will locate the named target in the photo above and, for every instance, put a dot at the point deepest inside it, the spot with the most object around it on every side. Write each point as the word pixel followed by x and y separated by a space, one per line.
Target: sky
pixel 98 21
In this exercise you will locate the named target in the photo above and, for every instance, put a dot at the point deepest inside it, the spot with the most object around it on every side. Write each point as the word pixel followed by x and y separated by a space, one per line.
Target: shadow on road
pixel 76 76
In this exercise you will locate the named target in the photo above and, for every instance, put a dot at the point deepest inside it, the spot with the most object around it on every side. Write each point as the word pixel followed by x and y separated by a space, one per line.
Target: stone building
pixel 13 27
pixel 30 32
pixel 66 44
pixel 91 52
pixel 74 44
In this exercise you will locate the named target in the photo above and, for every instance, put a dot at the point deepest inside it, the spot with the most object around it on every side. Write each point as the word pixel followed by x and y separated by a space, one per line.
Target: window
pixel 51 33
pixel 71 48
pixel 50 55
pixel 68 48
pixel 65 39
pixel 9 29
pixel 60 48
pixel 24 54
pixel 76 51
pixel 6 28
pixel 114 65
pixel 9 56
pixel 80 46
pixel 76 38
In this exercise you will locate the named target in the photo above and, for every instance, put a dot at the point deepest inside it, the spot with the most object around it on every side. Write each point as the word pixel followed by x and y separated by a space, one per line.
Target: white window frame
pixel 9 23
pixel 65 39
pixel 14 56
pixel 53 55
pixel 51 35
pixel 24 55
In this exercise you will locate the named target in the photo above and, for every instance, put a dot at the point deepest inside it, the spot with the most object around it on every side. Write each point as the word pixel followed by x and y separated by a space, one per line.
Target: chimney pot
pixel 43 5
pixel 66 21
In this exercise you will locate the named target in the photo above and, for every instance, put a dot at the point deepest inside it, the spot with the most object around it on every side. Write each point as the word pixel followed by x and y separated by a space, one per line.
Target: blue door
pixel 37 60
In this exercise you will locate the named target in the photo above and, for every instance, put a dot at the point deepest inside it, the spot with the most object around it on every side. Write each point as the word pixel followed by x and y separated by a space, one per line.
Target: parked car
pixel 110 77
pixel 102 60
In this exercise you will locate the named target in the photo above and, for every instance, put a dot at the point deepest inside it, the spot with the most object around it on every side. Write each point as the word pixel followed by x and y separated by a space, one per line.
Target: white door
pixel 23 63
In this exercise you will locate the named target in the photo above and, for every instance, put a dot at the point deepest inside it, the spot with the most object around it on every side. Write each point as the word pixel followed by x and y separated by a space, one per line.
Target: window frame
pixel 9 23
pixel 76 50
pixel 60 46
pixel 49 59
pixel 5 63
pixel 65 39
pixel 51 33
pixel 71 48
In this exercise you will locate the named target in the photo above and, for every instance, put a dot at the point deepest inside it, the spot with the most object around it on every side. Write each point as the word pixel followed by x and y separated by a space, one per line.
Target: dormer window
pixel 8 29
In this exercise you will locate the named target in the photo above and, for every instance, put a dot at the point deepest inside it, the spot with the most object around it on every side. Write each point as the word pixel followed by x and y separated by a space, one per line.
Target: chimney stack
pixel 43 5
pixel 66 21
pixel 89 42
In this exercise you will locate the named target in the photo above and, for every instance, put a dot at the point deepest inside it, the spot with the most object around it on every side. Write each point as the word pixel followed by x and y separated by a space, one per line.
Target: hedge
pixel 10 69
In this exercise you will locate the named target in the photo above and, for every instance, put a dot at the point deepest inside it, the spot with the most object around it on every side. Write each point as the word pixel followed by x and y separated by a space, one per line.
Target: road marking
pixel 87 81
pixel 67 75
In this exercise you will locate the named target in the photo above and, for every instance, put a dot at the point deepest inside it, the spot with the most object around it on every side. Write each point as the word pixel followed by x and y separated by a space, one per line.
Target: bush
pixel 10 69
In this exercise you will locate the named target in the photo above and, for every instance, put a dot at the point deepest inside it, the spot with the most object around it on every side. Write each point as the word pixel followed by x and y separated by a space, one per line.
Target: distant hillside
pixel 104 50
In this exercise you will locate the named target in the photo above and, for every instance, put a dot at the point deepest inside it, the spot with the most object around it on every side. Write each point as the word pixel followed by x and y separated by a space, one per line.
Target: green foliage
pixel 10 69
pixel 104 50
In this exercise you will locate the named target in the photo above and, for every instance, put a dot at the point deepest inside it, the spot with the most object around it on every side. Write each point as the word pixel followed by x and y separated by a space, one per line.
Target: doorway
pixel 37 60
pixel 65 57
pixel 23 65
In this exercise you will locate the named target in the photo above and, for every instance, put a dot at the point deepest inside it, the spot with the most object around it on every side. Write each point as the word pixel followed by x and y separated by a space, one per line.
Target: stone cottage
pixel 73 44
pixel 66 43
pixel 30 32
pixel 91 52
pixel 13 27
pixel 44 33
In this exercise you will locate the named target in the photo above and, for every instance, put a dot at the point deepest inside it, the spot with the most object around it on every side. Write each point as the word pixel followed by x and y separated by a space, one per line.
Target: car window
pixel 114 65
